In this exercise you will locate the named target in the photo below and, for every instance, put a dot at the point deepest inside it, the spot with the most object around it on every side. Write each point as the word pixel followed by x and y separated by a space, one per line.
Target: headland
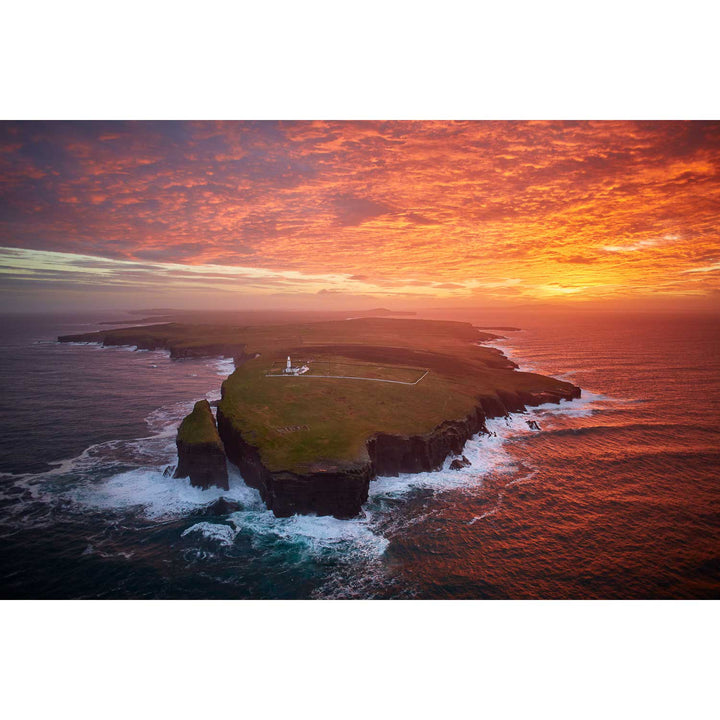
pixel 362 397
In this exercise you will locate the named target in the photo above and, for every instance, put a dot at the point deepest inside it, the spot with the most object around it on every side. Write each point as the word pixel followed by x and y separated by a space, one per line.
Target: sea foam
pixel 223 534
pixel 224 366
pixel 311 535
pixel 156 496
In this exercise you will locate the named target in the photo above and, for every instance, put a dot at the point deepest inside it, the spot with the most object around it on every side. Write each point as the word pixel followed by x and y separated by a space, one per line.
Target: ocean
pixel 616 496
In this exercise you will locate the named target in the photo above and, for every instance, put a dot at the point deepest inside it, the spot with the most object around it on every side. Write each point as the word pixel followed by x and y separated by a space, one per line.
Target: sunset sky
pixel 359 214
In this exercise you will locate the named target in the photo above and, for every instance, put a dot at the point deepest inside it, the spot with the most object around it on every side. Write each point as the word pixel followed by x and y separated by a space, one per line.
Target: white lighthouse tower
pixel 288 367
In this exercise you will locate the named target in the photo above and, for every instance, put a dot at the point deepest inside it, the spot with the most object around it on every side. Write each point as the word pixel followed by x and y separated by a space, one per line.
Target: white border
pixel 380 59
pixel 334 659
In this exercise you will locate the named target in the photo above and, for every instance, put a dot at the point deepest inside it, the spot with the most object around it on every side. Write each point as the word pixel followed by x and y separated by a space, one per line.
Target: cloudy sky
pixel 357 214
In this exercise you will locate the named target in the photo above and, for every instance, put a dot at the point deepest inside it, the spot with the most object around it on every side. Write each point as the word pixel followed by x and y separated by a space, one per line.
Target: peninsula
pixel 315 411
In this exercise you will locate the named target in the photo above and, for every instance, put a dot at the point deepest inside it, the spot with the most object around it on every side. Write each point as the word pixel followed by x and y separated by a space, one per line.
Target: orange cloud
pixel 452 209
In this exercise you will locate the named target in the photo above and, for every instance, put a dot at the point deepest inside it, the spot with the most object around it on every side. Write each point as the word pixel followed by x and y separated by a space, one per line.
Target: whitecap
pixel 487 455
pixel 313 535
pixel 223 534
pixel 584 406
pixel 128 348
pixel 224 366
pixel 156 496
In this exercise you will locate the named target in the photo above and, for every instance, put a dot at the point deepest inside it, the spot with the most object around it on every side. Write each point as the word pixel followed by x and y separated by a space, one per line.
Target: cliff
pixel 395 454
pixel 338 490
pixel 201 455
pixel 341 489
pixel 181 341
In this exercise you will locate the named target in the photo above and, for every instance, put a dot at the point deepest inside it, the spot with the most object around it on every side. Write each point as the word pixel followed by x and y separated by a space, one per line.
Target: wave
pixel 223 534
pixel 156 496
pixel 159 498
pixel 585 406
pixel 306 536
pixel 489 456
pixel 96 343
pixel 316 536
pixel 224 366
pixel 486 453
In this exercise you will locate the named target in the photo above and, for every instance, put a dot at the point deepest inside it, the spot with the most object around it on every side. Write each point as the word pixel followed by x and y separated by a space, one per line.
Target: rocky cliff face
pixel 201 455
pixel 395 454
pixel 328 490
pixel 342 490
pixel 147 341
pixel 503 402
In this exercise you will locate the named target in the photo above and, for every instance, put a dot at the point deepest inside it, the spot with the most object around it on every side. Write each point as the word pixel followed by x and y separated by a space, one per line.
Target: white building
pixel 290 370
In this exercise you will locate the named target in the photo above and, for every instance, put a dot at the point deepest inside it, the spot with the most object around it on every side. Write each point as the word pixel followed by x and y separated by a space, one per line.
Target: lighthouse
pixel 288 367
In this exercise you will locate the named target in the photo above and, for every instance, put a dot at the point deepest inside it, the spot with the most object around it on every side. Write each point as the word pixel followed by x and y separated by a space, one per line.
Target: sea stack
pixel 201 455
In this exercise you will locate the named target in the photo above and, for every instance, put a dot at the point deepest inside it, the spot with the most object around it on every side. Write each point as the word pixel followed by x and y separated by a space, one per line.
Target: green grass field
pixel 339 414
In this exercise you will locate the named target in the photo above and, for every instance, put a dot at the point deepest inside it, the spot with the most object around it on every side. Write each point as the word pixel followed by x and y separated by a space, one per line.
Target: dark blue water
pixel 618 496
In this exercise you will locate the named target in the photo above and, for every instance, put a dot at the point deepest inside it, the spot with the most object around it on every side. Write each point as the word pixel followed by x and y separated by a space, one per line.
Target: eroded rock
pixel 201 455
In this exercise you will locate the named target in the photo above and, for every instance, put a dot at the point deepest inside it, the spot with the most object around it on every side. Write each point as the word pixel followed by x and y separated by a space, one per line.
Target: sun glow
pixel 462 212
